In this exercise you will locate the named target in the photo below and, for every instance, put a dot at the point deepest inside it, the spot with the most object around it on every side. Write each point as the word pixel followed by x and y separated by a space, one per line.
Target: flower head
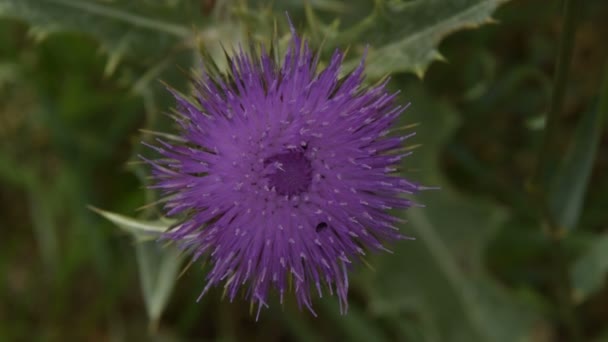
pixel 283 171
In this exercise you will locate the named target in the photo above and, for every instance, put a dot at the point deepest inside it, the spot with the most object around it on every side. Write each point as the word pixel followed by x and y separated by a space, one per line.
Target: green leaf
pixel 588 274
pixel 144 27
pixel 158 265
pixel 140 229
pixel 158 270
pixel 403 35
pixel 569 186
pixel 440 277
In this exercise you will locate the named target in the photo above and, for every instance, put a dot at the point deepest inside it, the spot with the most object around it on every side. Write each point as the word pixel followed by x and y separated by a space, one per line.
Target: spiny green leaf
pixel 145 30
pixel 572 178
pixel 403 36
pixel 144 26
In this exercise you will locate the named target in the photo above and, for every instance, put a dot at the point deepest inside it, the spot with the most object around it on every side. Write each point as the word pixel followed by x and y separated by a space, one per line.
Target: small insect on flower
pixel 283 173
pixel 321 226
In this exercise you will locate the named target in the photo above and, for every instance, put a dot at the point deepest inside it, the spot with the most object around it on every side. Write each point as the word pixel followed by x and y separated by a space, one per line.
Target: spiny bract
pixel 283 171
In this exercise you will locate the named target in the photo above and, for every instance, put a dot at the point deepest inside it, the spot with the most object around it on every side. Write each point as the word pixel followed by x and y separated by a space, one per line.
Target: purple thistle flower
pixel 283 172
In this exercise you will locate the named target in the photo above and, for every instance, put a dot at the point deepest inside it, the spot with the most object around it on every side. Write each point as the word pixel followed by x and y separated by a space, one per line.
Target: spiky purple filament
pixel 285 173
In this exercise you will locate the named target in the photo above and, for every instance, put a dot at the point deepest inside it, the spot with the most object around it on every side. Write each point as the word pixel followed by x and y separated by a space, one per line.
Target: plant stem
pixel 566 47
pixel 563 292
pixel 541 179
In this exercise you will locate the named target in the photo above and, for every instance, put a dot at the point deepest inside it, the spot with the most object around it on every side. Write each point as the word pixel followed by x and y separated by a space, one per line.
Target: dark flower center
pixel 289 173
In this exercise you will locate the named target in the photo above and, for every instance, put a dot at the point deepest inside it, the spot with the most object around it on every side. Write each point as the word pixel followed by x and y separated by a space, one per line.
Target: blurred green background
pixel 499 256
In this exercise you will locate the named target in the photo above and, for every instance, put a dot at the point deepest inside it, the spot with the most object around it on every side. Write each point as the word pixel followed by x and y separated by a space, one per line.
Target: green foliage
pixel 439 275
pixel 77 99
pixel 589 272
pixel 149 29
pixel 158 270
pixel 404 34
pixel 143 29
pixel 158 266
pixel 572 177
pixel 139 229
